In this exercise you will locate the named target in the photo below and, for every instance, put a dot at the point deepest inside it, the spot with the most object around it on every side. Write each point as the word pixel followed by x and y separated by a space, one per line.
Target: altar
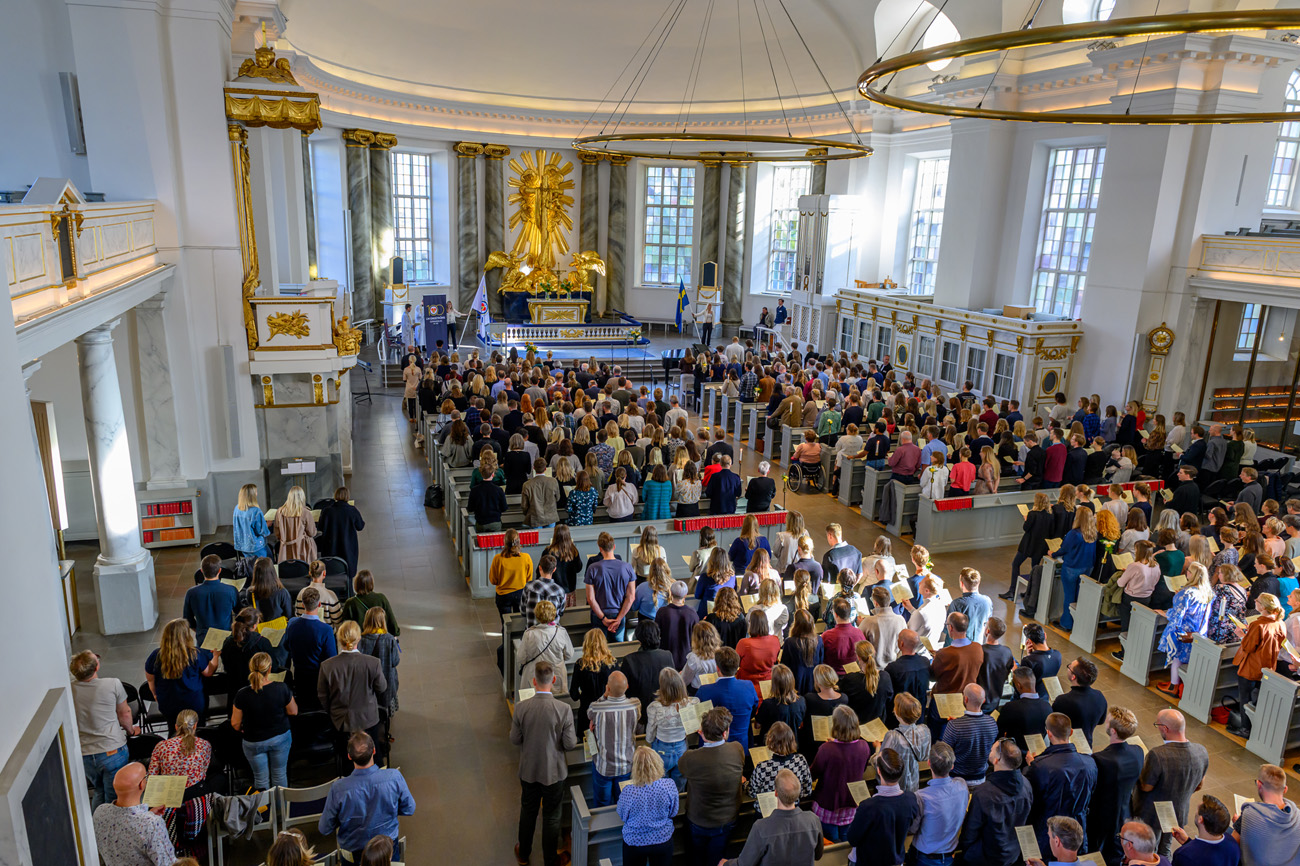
pixel 557 311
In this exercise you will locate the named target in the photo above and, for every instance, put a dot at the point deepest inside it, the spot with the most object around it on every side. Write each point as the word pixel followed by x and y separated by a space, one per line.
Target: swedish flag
pixel 681 303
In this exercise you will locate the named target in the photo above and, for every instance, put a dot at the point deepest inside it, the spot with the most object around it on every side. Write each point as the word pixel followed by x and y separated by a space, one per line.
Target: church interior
pixel 238 234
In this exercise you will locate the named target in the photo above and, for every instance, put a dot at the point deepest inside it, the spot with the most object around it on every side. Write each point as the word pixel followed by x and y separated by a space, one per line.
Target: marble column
pixel 381 218
pixel 710 195
pixel 734 262
pixel 309 198
pixel 467 221
pixel 615 268
pixel 125 594
pixel 494 216
pixel 818 186
pixel 162 449
pixel 357 143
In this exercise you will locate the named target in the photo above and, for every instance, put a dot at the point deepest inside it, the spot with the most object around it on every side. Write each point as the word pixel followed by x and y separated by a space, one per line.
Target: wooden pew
pixel 852 473
pixel 790 437
pixel 1140 656
pixel 1275 724
pixel 709 396
pixel 873 481
pixel 618 649
pixel 745 418
pixel 906 502
pixel 1087 615
pixel 1210 675
pixel 759 429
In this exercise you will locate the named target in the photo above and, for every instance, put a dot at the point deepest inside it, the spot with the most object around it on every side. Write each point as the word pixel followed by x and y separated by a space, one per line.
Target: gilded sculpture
pixel 264 64
pixel 347 339
pixel 290 324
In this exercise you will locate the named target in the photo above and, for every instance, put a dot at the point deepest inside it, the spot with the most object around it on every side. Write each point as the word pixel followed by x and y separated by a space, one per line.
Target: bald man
pixel 126 831
pixel 614 718
pixel 971 735
pixel 787 835
pixel 1173 771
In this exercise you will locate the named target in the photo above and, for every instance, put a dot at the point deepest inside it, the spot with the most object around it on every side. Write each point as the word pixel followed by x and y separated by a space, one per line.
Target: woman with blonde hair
pixel 750 538
pixel 758 569
pixel 547 641
pixel 487 470
pixel 699 560
pixel 261 715
pixel 652 593
pixel 646 552
pixel 612 437
pixel 647 805
pixel 591 673
pixel 377 642
pixel 663 726
pixel 250 529
pixel 769 602
pixel 786 549
pixel 822 701
pixel 705 643
pixel 175 672
pixel 1188 616
pixel 620 497
pixel 331 612
pixel 1033 543
pixel 718 574
pixel 911 739
pixel 989 474
pixel 295 528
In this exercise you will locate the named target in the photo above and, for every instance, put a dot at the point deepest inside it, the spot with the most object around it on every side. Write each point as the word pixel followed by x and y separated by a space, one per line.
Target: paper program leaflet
pixel 859 790
pixel 1028 844
pixel 164 791
pixel 950 706
pixel 214 639
pixel 1166 815
pixel 767 803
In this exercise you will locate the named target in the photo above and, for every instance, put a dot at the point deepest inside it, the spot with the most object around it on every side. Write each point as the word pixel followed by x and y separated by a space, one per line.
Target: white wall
pixel 35 46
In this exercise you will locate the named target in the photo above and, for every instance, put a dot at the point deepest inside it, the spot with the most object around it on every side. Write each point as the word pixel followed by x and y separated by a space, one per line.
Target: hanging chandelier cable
pixel 1254 21
pixel 798 148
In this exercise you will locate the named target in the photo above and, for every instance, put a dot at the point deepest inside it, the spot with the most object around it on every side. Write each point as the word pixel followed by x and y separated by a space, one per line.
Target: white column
pixel 162 448
pixel 124 579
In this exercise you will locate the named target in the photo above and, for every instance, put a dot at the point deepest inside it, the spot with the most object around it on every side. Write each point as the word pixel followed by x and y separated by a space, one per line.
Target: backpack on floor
pixel 433 496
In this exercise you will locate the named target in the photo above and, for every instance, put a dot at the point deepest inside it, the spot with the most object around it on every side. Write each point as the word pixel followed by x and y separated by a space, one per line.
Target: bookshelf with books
pixel 168 517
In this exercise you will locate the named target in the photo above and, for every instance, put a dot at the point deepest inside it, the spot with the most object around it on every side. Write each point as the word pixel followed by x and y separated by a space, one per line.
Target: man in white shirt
pixel 734 351
pixel 673 414
pixel 928 618
pixel 127 833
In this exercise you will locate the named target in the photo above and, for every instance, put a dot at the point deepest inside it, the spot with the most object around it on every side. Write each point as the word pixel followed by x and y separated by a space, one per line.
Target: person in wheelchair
pixel 808 454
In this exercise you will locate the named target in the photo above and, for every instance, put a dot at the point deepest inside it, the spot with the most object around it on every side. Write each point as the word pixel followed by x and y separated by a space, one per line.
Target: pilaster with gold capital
pixel 468 149
pixel 496 151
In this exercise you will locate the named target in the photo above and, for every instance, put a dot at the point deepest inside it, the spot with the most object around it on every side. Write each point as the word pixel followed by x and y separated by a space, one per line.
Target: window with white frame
pixel 927 224
pixel 924 367
pixel 1004 375
pixel 846 335
pixel 976 359
pixel 864 338
pixel 884 339
pixel 1249 327
pixel 948 363
pixel 412 213
pixel 1281 176
pixel 788 183
pixel 669 225
pixel 1073 190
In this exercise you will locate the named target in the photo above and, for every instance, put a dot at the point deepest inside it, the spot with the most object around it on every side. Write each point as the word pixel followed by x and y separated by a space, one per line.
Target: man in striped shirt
pixel 613 719
pixel 971 736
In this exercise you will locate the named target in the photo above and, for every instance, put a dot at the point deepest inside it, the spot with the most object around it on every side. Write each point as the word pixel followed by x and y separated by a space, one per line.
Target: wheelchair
pixel 801 474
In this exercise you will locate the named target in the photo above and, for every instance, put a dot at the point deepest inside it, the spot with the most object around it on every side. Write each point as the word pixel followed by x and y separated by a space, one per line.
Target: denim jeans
pixel 877 464
pixel 269 760
pixel 604 789
pixel 613 637
pixel 923 859
pixel 100 770
pixel 835 832
pixel 1069 594
pixel 670 752
pixel 708 843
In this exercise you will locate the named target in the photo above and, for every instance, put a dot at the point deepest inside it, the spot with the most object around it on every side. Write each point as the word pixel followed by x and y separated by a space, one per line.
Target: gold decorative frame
pixel 820 149
pixel 1158 25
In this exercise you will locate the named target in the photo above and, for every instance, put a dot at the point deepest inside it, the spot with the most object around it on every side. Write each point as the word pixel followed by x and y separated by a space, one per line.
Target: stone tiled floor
pixel 452 729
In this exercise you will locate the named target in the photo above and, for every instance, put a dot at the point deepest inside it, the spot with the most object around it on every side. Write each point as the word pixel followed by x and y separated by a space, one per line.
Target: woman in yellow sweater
pixel 511 569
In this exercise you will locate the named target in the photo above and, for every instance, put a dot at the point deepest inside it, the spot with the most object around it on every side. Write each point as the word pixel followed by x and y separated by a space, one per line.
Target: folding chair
pixel 150 720
pixel 222 549
pixel 284 800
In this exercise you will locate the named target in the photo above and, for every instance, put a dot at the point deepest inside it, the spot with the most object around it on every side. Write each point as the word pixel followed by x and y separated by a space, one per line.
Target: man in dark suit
pixel 1045 661
pixel 1076 461
pixel 1026 713
pixel 1187 495
pixel 1118 768
pixel 909 672
pixel 723 489
pixel 349 688
pixel 760 491
pixel 1062 780
pixel 1002 803
pixel 1195 452
pixel 998 663
pixel 1085 706
pixel 719 446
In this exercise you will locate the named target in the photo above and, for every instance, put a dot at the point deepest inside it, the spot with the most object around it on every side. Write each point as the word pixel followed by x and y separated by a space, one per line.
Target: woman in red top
pixel 759 651
pixel 961 475
pixel 184 755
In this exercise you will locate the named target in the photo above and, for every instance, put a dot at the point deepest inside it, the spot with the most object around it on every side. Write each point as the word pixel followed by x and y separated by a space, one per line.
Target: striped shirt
pixel 971 736
pixel 614 720
pixel 330 613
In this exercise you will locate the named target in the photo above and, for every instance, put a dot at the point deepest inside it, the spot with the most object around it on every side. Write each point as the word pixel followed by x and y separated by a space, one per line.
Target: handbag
pixel 1228 712
pixel 555 632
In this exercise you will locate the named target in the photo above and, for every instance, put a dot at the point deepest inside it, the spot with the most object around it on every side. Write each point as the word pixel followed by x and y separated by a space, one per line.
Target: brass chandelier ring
pixel 819 149
pixel 1163 25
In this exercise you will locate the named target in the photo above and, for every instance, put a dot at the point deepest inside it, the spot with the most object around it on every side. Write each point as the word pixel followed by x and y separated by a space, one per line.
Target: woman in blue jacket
pixel 1076 556
pixel 656 493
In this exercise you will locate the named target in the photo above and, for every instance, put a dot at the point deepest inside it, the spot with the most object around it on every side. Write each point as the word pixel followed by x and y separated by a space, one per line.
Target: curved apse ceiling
pixel 565 56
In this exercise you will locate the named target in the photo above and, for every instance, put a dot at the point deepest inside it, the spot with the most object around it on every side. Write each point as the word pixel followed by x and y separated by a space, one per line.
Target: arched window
pixel 902 25
pixel 1281 177
pixel 1079 11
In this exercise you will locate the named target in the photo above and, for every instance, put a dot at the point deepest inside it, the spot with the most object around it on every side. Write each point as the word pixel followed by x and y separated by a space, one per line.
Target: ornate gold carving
pixel 1160 339
pixel 618 159
pixel 283 113
pixel 247 230
pixel 905 328
pixel 318 390
pixel 358 137
pixel 268 393
pixel 495 151
pixel 990 339
pixel 290 324
pixel 383 141
pixel 589 158
pixel 1055 353
pixel 817 155
pixel 264 64
pixel 1020 344
pixel 468 149
pixel 347 339
pixel 962 328
pixel 1074 343
pixel 581 263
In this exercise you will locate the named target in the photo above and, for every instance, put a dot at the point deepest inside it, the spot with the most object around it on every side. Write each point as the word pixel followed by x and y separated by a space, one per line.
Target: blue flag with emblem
pixel 681 302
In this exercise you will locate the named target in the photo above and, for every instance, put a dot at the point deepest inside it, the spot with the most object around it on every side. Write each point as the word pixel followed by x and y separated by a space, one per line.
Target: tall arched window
pixel 1079 11
pixel 1281 178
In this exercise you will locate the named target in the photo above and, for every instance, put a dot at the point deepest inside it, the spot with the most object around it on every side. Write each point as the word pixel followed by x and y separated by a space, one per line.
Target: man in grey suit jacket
pixel 544 728
pixel 350 686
